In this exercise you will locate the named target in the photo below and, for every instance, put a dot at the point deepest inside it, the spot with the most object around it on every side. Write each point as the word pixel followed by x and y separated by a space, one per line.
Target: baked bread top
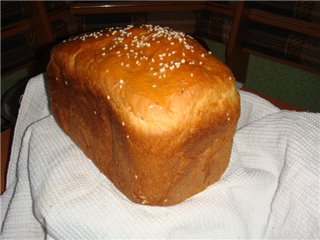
pixel 155 78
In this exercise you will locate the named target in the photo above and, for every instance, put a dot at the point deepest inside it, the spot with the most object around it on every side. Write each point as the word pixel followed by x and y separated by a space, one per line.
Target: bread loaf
pixel 153 110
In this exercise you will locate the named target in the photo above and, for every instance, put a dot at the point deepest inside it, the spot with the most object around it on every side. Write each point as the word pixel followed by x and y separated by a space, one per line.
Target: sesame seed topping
pixel 144 202
pixel 122 123
pixel 121 42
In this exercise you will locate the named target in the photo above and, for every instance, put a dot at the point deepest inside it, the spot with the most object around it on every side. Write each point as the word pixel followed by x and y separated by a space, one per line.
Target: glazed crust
pixel 149 106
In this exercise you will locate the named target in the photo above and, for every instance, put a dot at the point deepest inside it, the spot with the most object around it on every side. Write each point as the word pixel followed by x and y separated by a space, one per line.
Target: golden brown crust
pixel 153 109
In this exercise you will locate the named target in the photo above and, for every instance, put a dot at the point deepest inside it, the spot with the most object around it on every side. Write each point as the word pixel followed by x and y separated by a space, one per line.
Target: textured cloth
pixel 269 190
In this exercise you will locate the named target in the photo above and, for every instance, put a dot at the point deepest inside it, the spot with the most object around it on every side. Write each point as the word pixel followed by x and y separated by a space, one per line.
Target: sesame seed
pixel 144 202
pixel 95 112
pixel 191 74
pixel 108 97
pixel 154 85
pixel 122 123
pixel 128 136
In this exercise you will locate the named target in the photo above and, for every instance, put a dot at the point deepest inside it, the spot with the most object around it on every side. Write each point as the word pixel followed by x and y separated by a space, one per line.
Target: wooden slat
pixel 224 9
pixel 288 23
pixel 236 59
pixel 148 6
pixel 59 14
pixel 19 27
pixel 40 23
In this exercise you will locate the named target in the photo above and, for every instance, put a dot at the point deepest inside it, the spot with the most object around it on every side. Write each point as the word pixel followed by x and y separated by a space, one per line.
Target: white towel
pixel 269 190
